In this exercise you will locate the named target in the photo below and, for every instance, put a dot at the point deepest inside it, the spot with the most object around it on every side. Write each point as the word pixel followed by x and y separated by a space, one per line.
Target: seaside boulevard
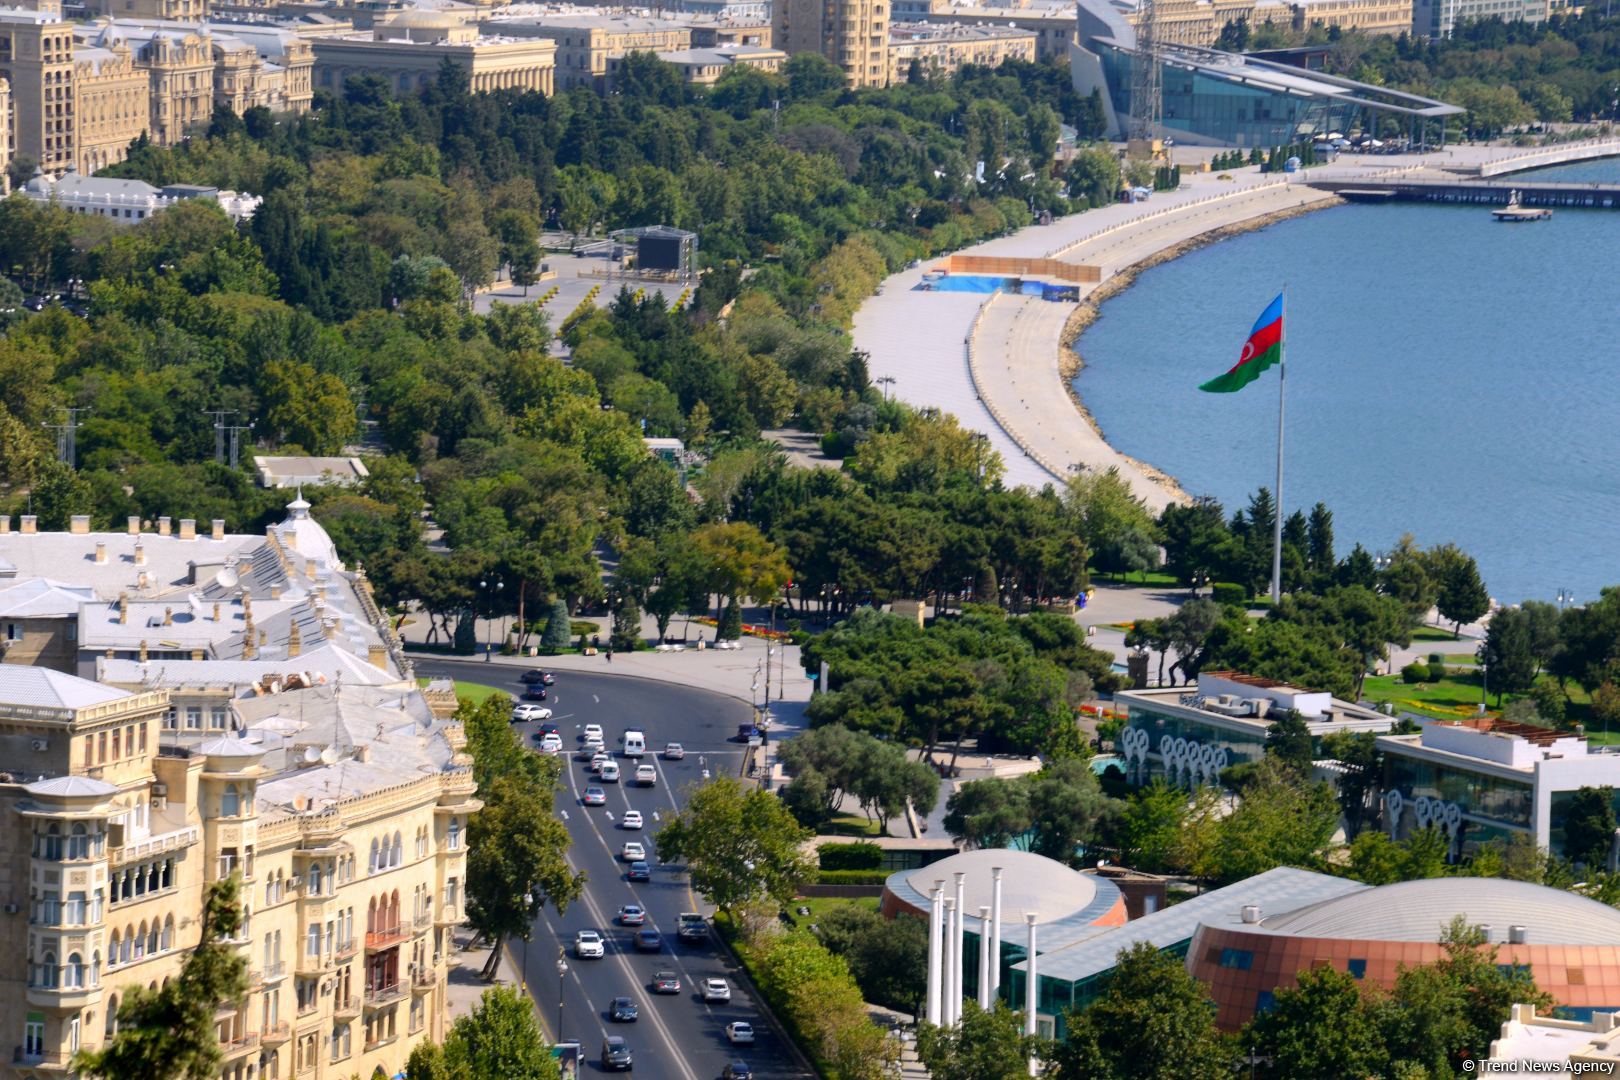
pixel 1001 364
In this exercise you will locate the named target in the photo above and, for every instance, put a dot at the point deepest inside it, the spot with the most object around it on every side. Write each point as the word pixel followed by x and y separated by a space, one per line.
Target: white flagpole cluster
pixel 1277 514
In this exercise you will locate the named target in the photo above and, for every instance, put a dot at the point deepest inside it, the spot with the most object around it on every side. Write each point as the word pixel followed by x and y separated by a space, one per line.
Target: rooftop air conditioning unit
pixel 11 909
pixel 40 745
pixel 1251 913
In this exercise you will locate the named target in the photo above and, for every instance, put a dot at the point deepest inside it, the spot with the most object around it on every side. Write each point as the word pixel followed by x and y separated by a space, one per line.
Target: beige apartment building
pixel 703 67
pixel 343 810
pixel 853 34
pixel 587 43
pixel 111 104
pixel 407 50
pixel 1054 28
pixel 36 59
pixel 939 51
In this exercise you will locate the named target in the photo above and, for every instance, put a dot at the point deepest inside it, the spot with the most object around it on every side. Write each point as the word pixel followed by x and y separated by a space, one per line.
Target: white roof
pixel 1421 910
pixel 324 663
pixel 42 598
pixel 71 786
pixel 304 535
pixel 42 687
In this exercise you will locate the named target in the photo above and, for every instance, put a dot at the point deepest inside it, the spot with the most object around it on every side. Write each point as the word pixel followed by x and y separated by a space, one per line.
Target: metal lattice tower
pixel 1147 78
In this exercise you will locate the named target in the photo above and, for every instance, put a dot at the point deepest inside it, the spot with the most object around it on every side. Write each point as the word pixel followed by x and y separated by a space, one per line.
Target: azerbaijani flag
pixel 1262 350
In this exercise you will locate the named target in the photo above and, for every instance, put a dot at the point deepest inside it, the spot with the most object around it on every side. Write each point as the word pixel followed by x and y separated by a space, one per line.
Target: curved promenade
pixel 998 362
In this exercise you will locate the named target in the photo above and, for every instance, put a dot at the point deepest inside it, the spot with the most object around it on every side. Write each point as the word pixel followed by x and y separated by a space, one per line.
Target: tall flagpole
pixel 1277 512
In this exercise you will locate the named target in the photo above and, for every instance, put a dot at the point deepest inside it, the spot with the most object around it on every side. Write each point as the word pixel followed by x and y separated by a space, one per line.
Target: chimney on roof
pixel 5 524
pixel 362 753
pixel 378 656
pixel 244 566
pixel 101 553
pixel 216 611
pixel 133 525
pixel 218 529
pixel 168 616
pixel 163 526
pixel 143 650
pixel 249 648
pixel 140 553
pixel 79 524
pixel 329 629
pixel 275 590
pixel 123 608
pixel 30 524
pixel 142 580
pixel 188 528
pixel 295 641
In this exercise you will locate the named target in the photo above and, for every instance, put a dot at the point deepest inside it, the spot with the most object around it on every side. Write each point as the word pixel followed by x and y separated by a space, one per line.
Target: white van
pixel 635 743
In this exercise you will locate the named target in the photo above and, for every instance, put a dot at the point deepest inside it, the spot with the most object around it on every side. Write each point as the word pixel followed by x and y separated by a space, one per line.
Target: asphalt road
pixel 678 1037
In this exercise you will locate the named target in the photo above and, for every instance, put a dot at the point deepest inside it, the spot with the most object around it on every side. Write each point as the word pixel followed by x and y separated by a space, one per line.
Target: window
pixel 455 834
pixel 1357 969
pixel 73 1035
pixel 1239 959
pixel 1263 1002
pixel 34 1035
pixel 193 712
pixel 341 1041
pixel 231 803
pixel 51 848
pixel 217 718
pixel 312 942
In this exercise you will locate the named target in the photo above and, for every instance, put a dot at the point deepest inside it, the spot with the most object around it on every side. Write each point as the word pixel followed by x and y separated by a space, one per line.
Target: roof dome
pixel 1030 884
pixel 306 535
pixel 230 748
pixel 72 787
pixel 1420 911
pixel 425 19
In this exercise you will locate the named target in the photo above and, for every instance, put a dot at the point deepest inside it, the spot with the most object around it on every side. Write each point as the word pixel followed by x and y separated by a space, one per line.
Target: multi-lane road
pixel 678 1037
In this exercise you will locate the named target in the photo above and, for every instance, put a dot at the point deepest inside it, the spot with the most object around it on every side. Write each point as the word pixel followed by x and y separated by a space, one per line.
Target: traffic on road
pixel 650 974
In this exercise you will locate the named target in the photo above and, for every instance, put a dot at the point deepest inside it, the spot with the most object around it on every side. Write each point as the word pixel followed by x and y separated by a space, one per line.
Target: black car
pixel 535 693
pixel 615 1054
pixel 737 1070
pixel 748 731
pixel 639 871
pixel 622 1010
pixel 648 941
pixel 536 676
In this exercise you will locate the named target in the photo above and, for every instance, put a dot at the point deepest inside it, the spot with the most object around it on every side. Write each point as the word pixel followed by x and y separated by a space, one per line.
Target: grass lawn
pixel 1451 697
pixel 1434 633
pixel 853 825
pixel 1467 659
pixel 820 905
pixel 476 691
pixel 1149 578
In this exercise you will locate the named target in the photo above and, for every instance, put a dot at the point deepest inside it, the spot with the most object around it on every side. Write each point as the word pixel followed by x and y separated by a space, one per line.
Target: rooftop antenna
pixel 220 427
pixel 67 439
pixel 1147 75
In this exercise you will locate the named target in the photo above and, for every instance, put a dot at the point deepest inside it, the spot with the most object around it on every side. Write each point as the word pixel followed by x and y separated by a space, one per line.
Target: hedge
pixel 857 856
pixel 1225 592
pixel 851 877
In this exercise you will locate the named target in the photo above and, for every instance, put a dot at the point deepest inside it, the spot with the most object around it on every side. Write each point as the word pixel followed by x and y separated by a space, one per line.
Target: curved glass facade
pixel 1499 801
pixel 1226 111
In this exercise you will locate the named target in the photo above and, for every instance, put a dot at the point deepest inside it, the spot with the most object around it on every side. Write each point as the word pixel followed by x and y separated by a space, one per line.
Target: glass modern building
pixel 1224 99
pixel 1481 780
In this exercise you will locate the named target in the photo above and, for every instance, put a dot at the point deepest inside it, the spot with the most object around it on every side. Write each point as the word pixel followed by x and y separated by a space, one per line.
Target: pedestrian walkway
pixel 903 1028
pixel 466 979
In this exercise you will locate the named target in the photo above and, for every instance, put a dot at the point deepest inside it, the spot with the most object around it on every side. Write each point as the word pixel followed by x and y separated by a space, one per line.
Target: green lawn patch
pixel 820 905
pixel 1455 696
pixel 853 825
pixel 1434 633
pixel 1467 659
pixel 476 691
pixel 1152 577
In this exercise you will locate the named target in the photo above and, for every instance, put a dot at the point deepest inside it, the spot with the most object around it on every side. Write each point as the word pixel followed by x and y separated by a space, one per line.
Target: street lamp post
pixel 562 970
pixel 490 591
pixel 1566 597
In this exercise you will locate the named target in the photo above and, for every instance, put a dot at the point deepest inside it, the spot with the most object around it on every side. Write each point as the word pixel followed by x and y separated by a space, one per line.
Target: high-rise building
pixel 36 59
pixel 853 34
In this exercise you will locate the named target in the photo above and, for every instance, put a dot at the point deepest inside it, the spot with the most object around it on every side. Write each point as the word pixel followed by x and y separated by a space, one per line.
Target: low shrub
pixel 1437 671
pixel 856 856
pixel 1226 592
pixel 1415 673
pixel 851 877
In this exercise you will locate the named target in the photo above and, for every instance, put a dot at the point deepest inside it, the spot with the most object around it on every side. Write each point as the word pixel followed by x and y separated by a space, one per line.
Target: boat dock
pixel 1475 192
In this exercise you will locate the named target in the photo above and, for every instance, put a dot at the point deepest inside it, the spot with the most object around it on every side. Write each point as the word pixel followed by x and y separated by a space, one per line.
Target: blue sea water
pixel 1448 376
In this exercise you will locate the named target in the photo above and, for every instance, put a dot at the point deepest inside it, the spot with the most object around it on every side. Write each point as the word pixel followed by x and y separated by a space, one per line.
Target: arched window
pixel 140 943
pixel 399 849
pixel 152 938
pixel 455 834
pixel 129 945
pixel 393 910
pixel 231 803
pixel 112 1015
pixel 168 933
pixel 371 916
pixel 373 866
pixel 112 950
pixel 79 842
pixel 73 972
pixel 53 842
pixel 95 968
pixel 47 970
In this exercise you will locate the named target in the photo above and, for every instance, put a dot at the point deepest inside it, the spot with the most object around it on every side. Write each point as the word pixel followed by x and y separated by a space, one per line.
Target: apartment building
pixel 344 810
pixel 36 60
pixel 408 49
pixel 1054 27
pixel 703 67
pixel 941 50
pixel 853 34
pixel 588 42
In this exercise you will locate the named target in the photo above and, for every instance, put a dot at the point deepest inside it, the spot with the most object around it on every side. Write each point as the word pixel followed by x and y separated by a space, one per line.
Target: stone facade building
pixel 940 51
pixel 853 34
pixel 407 49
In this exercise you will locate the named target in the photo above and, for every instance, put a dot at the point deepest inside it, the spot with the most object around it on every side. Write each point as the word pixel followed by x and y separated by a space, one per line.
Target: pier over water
pixel 1478 192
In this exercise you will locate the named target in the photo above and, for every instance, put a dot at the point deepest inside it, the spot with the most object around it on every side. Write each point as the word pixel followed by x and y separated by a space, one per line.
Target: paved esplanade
pixel 994 361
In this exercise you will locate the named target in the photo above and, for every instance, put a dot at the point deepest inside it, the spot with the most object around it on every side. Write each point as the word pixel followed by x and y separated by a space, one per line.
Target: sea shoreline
pixel 1070 361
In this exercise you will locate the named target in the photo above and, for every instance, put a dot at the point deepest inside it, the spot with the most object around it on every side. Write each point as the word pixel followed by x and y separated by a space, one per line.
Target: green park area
pixel 474 692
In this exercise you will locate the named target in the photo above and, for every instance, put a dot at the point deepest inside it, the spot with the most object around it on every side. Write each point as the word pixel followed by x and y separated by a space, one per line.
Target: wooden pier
pixel 1476 192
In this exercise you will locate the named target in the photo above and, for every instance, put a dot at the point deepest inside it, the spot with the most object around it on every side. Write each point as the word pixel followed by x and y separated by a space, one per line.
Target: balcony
pixel 386 938
pixel 63 997
pixel 276 1034
pixel 379 996
pixel 423 920
pixel 155 845
pixel 273 972
pixel 347 951
pixel 318 964
pixel 242 1044
pixel 44 1062
pixel 446 916
pixel 423 980
pixel 346 1008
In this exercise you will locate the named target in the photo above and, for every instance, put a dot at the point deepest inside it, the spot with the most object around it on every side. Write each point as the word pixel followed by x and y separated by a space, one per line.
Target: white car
pixel 646 775
pixel 552 744
pixel 631 819
pixel 596 746
pixel 588 945
pixel 593 731
pixel 600 760
pixel 716 990
pixel 633 851
pixel 740 1033
pixel 528 710
pixel 609 772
